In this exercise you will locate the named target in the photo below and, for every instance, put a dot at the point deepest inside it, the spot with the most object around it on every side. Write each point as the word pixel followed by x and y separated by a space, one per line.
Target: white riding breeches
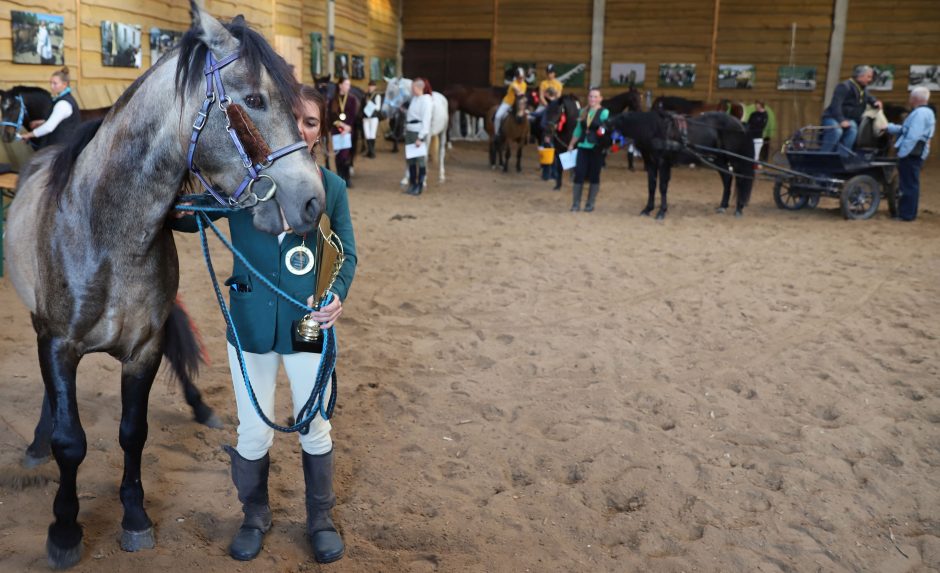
pixel 370 126
pixel 254 436
pixel 758 144
pixel 501 113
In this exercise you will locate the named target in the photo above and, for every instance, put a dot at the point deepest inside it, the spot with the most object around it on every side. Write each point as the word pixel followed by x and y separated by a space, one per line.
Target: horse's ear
pixel 388 79
pixel 211 32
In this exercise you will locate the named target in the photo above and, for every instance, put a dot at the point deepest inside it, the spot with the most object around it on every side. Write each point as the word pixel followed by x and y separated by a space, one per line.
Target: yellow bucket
pixel 546 155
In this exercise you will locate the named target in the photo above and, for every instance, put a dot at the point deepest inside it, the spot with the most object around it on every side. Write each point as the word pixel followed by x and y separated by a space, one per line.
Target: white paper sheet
pixel 342 141
pixel 412 150
pixel 369 109
pixel 568 159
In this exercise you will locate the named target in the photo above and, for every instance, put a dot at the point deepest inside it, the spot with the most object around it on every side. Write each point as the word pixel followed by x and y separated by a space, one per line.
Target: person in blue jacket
pixel 263 321
pixel 913 145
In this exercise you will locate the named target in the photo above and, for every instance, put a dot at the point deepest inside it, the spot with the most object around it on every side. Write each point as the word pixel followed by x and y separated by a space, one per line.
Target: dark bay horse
pixel 624 101
pixel 88 250
pixel 21 105
pixel 678 104
pixel 664 139
pixel 561 117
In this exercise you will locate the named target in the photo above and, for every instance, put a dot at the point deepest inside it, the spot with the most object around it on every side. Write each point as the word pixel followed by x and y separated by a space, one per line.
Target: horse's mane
pixel 254 51
pixel 60 168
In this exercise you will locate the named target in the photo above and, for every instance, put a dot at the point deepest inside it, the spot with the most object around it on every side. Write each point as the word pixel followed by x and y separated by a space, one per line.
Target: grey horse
pixel 89 253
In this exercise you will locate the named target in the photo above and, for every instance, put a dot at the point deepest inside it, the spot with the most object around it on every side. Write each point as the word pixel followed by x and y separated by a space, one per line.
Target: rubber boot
pixel 412 178
pixel 325 541
pixel 576 196
pixel 592 195
pixel 419 182
pixel 251 481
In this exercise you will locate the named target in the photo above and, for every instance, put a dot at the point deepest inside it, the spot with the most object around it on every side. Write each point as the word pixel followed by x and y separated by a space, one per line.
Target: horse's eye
pixel 254 101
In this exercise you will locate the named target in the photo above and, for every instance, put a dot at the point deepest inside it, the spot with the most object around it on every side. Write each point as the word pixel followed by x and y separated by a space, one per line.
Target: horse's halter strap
pixel 214 89
pixel 19 122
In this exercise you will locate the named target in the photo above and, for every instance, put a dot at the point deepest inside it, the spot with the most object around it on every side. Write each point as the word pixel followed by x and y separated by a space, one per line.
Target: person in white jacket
pixel 417 130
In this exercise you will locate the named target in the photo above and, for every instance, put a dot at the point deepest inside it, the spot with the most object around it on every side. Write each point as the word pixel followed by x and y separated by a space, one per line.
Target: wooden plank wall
pixel 900 32
pixel 367 27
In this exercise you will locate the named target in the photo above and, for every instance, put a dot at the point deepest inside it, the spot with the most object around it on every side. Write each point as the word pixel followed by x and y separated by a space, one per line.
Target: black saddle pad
pixel 6 168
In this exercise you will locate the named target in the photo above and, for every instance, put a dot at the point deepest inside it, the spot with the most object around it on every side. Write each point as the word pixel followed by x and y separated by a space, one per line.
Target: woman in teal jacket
pixel 263 321
pixel 590 129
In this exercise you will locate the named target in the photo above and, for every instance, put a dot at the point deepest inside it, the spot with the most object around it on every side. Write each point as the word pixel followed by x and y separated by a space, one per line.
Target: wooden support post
pixel 836 43
pixel 597 43
pixel 712 61
pixel 494 43
pixel 331 38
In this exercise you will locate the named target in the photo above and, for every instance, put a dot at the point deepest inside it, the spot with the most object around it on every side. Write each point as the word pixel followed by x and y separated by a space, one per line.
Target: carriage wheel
pixel 891 194
pixel 860 197
pixel 786 198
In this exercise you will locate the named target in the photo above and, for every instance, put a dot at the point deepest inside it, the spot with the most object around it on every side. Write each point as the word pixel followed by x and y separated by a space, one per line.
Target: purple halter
pixel 213 85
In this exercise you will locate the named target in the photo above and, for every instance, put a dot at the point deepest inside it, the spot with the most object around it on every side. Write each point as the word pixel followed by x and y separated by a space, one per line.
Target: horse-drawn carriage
pixel 858 179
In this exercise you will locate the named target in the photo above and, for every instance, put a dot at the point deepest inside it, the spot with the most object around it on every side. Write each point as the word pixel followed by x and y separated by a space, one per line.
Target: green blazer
pixel 262 318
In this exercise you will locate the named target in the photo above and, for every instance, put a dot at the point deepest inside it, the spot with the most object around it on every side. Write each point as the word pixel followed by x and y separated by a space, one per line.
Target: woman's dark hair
pixel 312 94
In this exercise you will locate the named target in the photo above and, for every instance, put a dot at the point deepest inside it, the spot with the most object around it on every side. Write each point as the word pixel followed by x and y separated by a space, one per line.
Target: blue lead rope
pixel 314 405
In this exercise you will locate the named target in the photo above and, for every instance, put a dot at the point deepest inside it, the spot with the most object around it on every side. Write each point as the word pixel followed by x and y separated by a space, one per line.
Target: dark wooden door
pixel 448 62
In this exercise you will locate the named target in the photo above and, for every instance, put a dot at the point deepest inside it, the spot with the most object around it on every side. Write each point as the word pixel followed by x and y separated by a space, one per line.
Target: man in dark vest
pixel 64 118
pixel 845 110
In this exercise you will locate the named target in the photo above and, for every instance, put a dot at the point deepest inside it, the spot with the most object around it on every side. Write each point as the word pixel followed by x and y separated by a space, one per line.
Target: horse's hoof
pixel 660 216
pixel 738 214
pixel 720 210
pixel 60 558
pixel 136 540
pixel 645 212
pixel 30 461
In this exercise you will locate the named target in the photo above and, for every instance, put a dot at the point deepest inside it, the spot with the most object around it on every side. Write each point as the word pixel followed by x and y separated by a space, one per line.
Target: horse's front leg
pixel 665 172
pixel 58 361
pixel 136 379
pixel 505 155
pixel 519 159
pixel 651 173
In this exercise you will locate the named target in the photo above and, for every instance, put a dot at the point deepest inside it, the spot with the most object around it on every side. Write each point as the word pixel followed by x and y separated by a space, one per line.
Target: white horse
pixel 398 93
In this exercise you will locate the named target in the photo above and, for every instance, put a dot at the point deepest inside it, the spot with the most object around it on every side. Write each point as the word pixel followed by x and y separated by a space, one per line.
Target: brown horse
pixel 475 101
pixel 514 131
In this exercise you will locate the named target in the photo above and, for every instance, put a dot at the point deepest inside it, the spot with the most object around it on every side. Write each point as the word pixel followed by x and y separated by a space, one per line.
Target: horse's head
pixel 13 111
pixel 521 108
pixel 397 94
pixel 252 95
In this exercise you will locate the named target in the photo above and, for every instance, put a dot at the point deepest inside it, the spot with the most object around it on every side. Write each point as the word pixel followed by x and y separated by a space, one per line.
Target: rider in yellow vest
pixel 516 88
pixel 549 82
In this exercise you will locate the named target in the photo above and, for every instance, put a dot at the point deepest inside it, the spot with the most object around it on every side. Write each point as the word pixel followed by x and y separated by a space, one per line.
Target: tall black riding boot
pixel 326 543
pixel 412 178
pixel 370 148
pixel 422 173
pixel 576 196
pixel 592 195
pixel 251 481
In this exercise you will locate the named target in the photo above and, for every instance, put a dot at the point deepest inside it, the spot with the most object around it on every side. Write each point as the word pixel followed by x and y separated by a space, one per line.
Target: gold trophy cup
pixel 328 259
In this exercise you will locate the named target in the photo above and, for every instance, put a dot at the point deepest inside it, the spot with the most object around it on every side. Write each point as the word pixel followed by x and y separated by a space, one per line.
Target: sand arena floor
pixel 527 389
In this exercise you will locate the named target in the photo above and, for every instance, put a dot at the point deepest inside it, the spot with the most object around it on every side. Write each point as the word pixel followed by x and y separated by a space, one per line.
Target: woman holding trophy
pixel 266 328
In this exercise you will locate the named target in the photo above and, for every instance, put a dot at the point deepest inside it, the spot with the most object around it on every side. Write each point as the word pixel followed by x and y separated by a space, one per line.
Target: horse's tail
pixel 60 169
pixel 182 346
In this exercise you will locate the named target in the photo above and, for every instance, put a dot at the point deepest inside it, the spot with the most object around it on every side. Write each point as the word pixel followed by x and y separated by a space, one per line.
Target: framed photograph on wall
pixel 316 54
pixel 38 38
pixel 627 74
pixel 736 76
pixel 389 69
pixel 161 42
pixel 375 68
pixel 796 78
pixel 927 76
pixel 120 44
pixel 358 67
pixel 576 80
pixel 341 65
pixel 882 79
pixel 676 75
